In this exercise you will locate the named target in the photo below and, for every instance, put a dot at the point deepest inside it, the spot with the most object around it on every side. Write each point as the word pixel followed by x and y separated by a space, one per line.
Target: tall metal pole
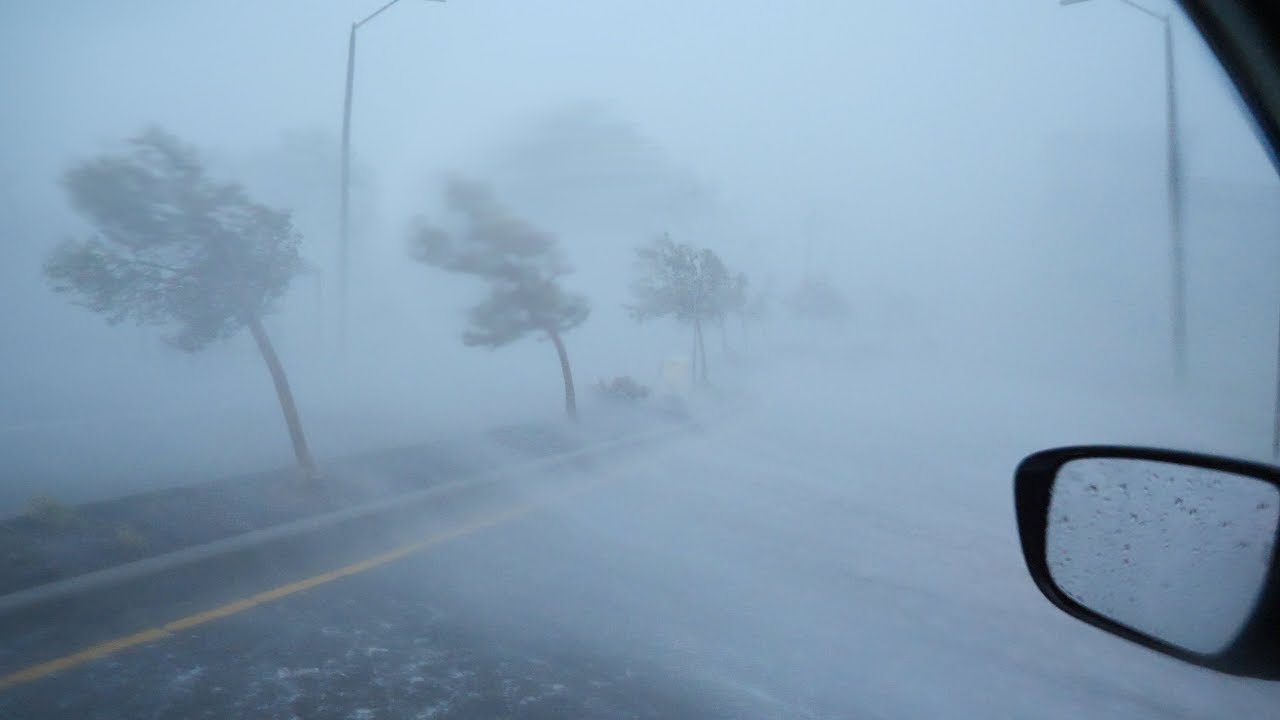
pixel 1177 244
pixel 344 203
pixel 1275 429
pixel 344 211
pixel 1178 259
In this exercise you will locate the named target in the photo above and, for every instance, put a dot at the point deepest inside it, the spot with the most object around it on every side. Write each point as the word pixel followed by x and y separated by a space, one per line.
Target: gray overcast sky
pixel 981 180
pixel 858 86
pixel 943 148
pixel 785 109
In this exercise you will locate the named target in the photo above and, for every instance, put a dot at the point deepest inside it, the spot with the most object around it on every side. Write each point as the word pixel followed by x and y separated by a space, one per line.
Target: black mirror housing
pixel 1253 651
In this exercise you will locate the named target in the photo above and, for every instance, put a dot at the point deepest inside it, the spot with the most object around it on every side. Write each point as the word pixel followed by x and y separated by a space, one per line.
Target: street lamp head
pixel 378 12
pixel 1130 3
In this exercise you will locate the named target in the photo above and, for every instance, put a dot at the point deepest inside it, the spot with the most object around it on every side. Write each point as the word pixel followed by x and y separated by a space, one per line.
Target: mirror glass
pixel 1174 551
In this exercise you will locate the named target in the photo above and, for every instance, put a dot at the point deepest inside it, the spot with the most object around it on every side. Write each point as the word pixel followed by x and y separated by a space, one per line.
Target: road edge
pixel 97 580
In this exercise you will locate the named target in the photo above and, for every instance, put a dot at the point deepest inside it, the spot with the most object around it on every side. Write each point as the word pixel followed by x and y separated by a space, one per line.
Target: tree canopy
pixel 171 246
pixel 685 283
pixel 522 265
pixel 679 281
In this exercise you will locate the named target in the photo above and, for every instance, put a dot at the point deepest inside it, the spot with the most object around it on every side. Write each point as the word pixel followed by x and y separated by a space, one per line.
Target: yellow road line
pixel 110 647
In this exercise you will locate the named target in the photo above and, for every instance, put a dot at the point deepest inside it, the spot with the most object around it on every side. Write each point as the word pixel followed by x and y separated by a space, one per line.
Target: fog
pixel 983 182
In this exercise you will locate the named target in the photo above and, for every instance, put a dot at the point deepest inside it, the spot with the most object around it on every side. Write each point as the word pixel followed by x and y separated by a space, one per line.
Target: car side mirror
pixel 1174 551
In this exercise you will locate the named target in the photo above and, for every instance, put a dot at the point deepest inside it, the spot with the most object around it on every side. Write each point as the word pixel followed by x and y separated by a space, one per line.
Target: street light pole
pixel 1178 252
pixel 1177 243
pixel 344 202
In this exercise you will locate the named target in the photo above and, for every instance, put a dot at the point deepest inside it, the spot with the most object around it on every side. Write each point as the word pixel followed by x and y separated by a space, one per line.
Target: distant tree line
pixel 170 246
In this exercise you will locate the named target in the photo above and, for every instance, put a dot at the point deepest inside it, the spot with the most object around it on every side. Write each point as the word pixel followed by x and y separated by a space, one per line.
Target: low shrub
pixel 621 389
pixel 48 511
pixel 126 537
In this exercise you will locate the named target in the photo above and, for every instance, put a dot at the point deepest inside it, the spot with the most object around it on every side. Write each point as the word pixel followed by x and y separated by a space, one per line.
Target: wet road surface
pixel 720 576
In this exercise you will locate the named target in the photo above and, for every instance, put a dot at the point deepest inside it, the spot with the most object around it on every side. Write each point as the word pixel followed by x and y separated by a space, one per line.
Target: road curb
pixel 67 588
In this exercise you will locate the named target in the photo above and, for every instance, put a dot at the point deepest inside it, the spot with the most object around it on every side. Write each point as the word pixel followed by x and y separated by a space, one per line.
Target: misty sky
pixel 980 177
pixel 982 181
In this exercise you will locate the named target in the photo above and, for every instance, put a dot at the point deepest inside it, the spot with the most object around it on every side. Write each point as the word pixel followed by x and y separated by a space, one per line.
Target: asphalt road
pixel 729 575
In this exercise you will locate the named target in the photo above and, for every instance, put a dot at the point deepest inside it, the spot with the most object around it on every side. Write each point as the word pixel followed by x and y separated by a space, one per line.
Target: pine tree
pixel 522 265
pixel 172 247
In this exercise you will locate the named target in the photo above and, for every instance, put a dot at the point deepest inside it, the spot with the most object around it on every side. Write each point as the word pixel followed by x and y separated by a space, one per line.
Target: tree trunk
pixel 693 359
pixel 300 449
pixel 702 350
pixel 570 398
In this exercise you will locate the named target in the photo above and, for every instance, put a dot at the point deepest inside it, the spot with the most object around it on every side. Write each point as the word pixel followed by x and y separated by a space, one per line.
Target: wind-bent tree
pixel 522 265
pixel 734 302
pixel 678 281
pixel 174 248
pixel 816 298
